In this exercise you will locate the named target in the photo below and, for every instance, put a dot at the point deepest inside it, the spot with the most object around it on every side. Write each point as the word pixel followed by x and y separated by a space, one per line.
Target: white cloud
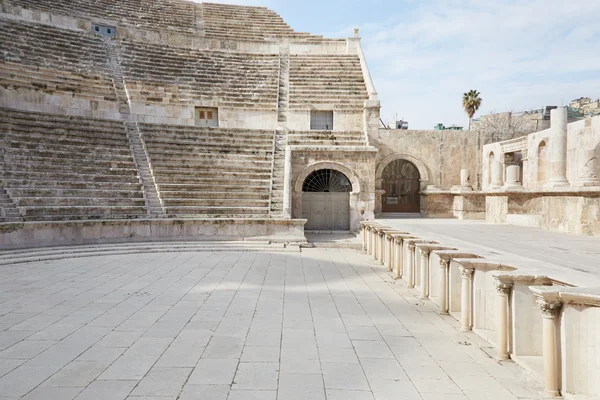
pixel 519 54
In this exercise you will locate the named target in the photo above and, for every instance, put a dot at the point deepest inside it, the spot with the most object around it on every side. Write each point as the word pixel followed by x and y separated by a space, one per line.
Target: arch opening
pixel 401 183
pixel 326 200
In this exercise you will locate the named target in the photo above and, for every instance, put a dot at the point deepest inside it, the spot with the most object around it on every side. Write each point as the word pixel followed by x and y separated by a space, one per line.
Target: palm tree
pixel 471 103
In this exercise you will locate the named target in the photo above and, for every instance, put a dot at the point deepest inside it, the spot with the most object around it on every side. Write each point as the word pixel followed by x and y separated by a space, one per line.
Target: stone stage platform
pixel 570 258
pixel 312 325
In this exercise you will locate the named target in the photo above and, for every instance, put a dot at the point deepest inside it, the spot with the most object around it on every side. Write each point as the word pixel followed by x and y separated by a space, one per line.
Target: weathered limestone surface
pixel 491 282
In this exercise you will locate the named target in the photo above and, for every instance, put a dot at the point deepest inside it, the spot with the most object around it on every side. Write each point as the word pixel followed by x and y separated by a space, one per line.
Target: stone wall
pixel 439 156
pixel 358 165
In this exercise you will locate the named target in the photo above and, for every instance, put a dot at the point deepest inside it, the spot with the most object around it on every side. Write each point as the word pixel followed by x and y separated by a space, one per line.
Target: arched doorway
pixel 400 181
pixel 326 200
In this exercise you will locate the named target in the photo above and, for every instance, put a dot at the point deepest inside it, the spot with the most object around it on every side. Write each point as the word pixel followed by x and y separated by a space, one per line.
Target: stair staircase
pixel 284 89
pixel 278 173
pixel 10 212
pixel 140 153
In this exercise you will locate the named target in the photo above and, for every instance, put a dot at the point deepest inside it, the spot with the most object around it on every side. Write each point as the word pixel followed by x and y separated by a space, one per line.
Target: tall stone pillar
pixel 390 252
pixel 497 178
pixel 558 148
pixel 399 257
pixel 502 315
pixel 381 247
pixel 444 265
pixel 410 266
pixel 465 298
pixel 424 273
pixel 550 314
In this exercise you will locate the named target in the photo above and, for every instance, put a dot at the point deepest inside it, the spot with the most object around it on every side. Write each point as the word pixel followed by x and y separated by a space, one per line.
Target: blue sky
pixel 423 55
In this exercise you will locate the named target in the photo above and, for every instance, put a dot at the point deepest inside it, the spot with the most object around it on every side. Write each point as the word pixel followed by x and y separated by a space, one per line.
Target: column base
pixel 552 393
pixel 502 358
pixel 409 286
pixel 444 313
pixel 466 329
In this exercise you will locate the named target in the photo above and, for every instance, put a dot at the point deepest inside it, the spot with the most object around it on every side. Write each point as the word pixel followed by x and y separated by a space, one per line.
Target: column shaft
pixel 399 256
pixel 410 267
pixel 381 248
pixel 558 147
pixel 502 311
pixel 444 286
pixel 424 273
pixel 465 299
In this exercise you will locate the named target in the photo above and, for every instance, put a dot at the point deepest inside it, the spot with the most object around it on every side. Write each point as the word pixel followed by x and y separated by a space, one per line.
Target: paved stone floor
pixel 573 257
pixel 321 324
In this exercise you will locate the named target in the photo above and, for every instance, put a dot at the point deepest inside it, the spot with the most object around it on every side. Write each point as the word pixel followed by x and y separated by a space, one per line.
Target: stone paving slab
pixel 573 258
pixel 321 324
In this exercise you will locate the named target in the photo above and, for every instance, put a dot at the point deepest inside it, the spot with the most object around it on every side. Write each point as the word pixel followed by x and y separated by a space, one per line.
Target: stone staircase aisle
pixel 284 88
pixel 278 173
pixel 281 133
pixel 10 212
pixel 140 153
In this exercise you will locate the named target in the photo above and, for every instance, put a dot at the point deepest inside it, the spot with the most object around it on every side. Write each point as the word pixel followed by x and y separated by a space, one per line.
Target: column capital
pixel 425 252
pixel 466 272
pixel 411 247
pixel 503 287
pixel 550 308
pixel 444 263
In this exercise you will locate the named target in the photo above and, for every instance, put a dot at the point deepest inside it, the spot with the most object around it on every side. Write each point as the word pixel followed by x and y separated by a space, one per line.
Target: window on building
pixel 321 120
pixel 207 116
pixel 104 30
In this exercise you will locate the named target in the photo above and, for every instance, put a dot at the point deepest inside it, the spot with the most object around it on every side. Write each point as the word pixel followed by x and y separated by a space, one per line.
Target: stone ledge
pixel 39 234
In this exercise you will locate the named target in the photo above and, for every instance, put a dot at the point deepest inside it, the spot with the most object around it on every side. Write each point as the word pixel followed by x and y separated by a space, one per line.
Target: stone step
pixel 232 202
pixel 77 201
pixel 86 212
pixel 38 184
pixel 69 192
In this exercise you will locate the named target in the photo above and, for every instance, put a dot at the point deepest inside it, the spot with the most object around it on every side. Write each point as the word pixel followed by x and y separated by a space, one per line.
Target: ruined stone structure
pixel 188 119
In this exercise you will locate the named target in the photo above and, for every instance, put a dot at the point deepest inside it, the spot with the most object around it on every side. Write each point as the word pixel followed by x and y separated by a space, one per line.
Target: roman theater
pixel 199 202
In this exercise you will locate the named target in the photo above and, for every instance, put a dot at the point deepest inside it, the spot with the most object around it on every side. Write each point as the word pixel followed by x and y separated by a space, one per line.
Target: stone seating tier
pixel 162 74
pixel 45 46
pixel 59 167
pixel 247 23
pixel 54 61
pixel 211 172
pixel 326 79
pixel 171 14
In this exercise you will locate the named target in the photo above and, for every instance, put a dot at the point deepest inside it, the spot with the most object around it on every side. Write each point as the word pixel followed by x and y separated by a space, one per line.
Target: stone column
pixel 497 179
pixel 512 177
pixel 465 298
pixel 364 238
pixel 444 265
pixel 589 169
pixel 368 244
pixel 390 252
pixel 375 244
pixel 424 273
pixel 381 247
pixel 502 307
pixel 399 257
pixel 550 312
pixel 558 148
pixel 410 267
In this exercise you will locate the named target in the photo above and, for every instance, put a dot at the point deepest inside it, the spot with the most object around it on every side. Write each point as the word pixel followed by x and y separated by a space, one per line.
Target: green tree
pixel 471 103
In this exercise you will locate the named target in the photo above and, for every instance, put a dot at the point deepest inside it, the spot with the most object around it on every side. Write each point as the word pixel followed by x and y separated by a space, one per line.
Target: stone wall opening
pixel 401 183
pixel 326 200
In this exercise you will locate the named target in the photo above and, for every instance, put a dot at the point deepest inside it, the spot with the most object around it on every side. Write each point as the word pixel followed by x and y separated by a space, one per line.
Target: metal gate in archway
pixel 326 201
pixel 401 185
